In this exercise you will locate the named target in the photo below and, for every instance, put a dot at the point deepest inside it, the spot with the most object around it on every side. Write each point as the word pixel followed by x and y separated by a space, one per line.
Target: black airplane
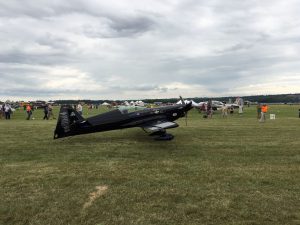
pixel 154 121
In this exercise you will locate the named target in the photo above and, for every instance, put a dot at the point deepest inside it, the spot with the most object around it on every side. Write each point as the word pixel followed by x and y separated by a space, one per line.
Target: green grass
pixel 215 171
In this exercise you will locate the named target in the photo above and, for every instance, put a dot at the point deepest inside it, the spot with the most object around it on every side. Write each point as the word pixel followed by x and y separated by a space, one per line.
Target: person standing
pixel 264 110
pixel 209 110
pixel 79 109
pixel 240 102
pixel 224 110
pixel 203 108
pixel 50 112
pixel 7 111
pixel 1 112
pixel 258 110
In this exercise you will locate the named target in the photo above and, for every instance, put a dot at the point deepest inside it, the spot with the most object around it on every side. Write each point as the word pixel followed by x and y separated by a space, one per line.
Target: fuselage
pixel 117 119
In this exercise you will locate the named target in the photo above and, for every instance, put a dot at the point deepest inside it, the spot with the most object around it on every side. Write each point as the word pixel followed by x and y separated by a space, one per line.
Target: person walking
pixel 264 110
pixel 29 112
pixel 46 112
pixel 7 111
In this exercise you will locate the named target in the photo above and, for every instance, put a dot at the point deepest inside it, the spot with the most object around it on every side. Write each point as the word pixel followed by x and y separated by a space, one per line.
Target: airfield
pixel 231 170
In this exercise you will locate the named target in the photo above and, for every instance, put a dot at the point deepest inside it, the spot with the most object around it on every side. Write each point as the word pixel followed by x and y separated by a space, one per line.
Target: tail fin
pixel 67 117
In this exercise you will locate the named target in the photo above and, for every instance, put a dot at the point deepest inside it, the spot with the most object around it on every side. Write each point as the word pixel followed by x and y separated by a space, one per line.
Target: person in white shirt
pixel 224 110
pixel 79 109
pixel 1 112
pixel 50 112
pixel 240 103
pixel 7 111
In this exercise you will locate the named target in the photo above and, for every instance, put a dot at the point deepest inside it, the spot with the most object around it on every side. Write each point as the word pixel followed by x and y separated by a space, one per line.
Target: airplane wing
pixel 157 126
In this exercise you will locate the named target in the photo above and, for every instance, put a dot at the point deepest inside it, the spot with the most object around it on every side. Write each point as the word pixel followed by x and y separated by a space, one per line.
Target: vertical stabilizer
pixel 67 117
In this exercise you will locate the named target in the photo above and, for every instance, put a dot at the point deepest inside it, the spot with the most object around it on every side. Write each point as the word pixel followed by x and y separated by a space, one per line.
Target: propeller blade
pixel 182 100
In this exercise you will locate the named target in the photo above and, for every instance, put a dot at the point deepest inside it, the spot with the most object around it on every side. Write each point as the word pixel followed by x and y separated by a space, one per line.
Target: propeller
pixel 182 100
pixel 184 112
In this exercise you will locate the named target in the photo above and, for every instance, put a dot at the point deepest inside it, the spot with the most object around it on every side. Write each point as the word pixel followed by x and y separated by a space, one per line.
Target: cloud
pixel 130 49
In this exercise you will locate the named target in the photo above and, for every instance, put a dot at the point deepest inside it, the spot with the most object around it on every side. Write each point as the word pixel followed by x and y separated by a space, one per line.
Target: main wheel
pixel 164 137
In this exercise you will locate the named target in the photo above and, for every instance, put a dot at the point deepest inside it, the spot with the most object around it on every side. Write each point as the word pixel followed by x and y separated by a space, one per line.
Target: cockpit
pixel 130 109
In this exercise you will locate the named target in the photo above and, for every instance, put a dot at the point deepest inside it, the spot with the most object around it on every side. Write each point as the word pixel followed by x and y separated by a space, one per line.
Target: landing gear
pixel 162 136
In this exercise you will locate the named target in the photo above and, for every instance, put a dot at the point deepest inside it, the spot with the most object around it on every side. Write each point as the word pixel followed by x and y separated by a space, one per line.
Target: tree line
pixel 280 98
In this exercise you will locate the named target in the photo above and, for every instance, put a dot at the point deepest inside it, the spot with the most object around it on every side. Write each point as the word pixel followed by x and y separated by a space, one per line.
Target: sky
pixel 138 49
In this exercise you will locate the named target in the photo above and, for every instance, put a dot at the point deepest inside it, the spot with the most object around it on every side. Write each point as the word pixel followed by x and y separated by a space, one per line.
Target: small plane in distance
pixel 154 121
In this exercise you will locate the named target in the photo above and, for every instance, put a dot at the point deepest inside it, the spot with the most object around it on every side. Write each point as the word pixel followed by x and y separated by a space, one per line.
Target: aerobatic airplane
pixel 154 121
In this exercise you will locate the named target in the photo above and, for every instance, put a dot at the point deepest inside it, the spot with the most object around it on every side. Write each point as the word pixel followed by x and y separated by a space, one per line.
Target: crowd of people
pixel 206 109
pixel 48 112
pixel 5 111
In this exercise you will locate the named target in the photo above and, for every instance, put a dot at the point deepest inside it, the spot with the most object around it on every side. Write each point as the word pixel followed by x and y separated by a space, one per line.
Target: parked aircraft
pixel 194 104
pixel 217 105
pixel 154 121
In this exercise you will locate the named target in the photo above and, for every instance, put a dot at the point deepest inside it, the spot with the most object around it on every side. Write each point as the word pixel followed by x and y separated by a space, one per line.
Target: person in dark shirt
pixel 46 111
pixel 209 110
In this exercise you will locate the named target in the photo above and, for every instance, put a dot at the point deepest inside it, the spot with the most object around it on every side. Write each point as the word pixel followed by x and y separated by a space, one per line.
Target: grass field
pixel 215 171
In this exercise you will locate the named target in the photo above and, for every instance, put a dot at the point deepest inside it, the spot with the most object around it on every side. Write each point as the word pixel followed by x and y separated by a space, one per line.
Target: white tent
pixel 140 103
pixel 105 103
pixel 194 104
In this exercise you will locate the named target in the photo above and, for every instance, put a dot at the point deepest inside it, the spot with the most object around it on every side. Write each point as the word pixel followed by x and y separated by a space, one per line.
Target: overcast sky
pixel 136 49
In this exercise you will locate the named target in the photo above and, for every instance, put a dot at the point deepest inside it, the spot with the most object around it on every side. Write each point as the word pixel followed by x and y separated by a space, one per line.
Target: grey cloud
pixel 236 47
pixel 33 90
pixel 60 51
pixel 221 70
pixel 115 27
pixel 40 10
pixel 57 43
pixel 124 24
pixel 132 26
pixel 34 58
pixel 138 88
pixel 24 92
pixel 17 80
pixel 141 88
pixel 218 44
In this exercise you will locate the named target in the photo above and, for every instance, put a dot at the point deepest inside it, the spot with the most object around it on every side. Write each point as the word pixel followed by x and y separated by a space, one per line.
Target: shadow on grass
pixel 120 136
